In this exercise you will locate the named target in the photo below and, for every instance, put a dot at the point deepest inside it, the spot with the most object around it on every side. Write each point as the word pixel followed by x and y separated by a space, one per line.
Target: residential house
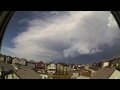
pixel 92 71
pixel 75 74
pixel 51 67
pixel 95 68
pixel 81 67
pixel 112 63
pixel 50 76
pixel 2 58
pixel 72 67
pixel 44 76
pixel 46 66
pixel 15 60
pixel 118 59
pixel 87 66
pixel 106 73
pixel 105 64
pixel 5 70
pixel 23 62
pixel 40 66
pixel 100 64
pixel 85 72
pixel 75 67
pixel 24 72
pixel 69 67
pixel 94 64
pixel 78 65
pixel 62 68
pixel 8 60
pixel 31 64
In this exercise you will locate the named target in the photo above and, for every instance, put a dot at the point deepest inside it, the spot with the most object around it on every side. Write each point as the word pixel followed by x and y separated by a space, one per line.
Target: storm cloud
pixel 65 34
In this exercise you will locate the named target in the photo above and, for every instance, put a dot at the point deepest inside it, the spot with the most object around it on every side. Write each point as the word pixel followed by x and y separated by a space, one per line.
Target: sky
pixel 62 36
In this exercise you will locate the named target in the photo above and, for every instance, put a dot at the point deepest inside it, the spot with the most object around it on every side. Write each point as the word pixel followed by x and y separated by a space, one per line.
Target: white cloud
pixel 65 34
pixel 23 20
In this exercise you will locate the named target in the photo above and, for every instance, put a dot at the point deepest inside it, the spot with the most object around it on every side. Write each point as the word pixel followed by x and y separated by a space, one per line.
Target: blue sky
pixel 62 36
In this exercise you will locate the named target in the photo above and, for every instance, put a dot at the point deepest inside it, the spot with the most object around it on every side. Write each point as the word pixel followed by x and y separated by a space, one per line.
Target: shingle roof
pixel 104 73
pixel 95 68
pixel 63 64
pixel 23 59
pixel 49 63
pixel 26 73
pixel 6 67
pixel 31 61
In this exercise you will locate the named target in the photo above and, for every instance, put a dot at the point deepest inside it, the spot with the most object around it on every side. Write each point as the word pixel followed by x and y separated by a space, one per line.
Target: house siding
pixel 2 59
pixel 105 64
pixel 76 74
pixel 31 65
pixel 44 76
pixel 22 62
pixel 15 60
pixel 8 76
pixel 40 66
pixel 0 72
pixel 12 76
pixel 8 60
pixel 51 68
pixel 59 68
pixel 15 76
pixel 63 69
pixel 115 75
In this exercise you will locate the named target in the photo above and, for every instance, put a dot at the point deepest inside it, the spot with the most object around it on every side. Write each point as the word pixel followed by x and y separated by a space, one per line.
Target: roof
pixel 46 63
pixel 63 64
pixel 31 61
pixel 104 73
pixel 72 65
pixel 75 71
pixel 40 62
pixel 23 59
pixel 6 67
pixel 95 68
pixel 50 63
pixel 15 58
pixel 2 55
pixel 26 73
pixel 17 64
